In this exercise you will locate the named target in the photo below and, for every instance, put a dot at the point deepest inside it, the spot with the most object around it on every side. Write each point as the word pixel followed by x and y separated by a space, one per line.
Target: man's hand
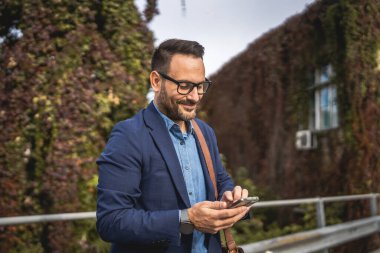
pixel 211 217
pixel 237 193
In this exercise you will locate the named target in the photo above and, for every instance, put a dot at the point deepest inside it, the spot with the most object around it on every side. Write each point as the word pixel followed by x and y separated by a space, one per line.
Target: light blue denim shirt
pixel 188 156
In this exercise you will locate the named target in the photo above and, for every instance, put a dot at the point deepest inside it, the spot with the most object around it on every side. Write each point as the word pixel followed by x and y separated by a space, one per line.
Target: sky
pixel 223 27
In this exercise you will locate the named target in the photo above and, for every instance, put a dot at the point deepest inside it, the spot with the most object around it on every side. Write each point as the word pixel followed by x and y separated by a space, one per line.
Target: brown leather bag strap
pixel 206 154
pixel 231 245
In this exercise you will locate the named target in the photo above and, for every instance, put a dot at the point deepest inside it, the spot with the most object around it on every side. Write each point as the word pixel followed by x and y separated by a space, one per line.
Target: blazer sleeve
pixel 119 219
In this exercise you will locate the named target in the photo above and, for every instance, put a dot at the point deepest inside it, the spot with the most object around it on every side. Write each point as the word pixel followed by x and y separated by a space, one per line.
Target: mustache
pixel 185 102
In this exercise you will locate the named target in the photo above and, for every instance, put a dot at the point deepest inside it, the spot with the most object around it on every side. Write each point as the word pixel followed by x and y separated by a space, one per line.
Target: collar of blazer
pixel 160 136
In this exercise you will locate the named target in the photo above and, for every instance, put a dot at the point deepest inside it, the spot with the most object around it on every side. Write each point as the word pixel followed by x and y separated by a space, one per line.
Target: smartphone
pixel 245 202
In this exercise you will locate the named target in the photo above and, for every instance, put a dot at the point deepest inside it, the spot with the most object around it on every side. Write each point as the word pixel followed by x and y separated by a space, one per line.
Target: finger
pixel 244 193
pixel 229 222
pixel 217 205
pixel 237 193
pixel 228 213
pixel 227 195
pixel 217 224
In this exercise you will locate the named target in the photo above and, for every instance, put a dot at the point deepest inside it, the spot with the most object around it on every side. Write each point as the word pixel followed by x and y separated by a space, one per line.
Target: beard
pixel 172 109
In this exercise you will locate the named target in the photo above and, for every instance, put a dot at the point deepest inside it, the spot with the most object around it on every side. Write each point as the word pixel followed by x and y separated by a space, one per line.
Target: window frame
pixel 323 80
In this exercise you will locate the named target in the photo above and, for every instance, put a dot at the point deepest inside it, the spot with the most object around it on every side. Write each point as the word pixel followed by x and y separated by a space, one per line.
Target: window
pixel 13 32
pixel 324 107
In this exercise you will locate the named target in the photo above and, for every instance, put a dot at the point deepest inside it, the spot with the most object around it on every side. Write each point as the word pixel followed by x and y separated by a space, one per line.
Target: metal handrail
pixel 350 197
pixel 6 221
pixel 18 220
pixel 291 202
pixel 318 239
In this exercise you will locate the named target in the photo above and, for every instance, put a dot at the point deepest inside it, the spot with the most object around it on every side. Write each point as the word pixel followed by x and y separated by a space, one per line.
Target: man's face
pixel 176 106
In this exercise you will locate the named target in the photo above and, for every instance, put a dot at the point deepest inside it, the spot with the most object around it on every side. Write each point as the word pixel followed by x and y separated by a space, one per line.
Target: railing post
pixel 373 204
pixel 321 219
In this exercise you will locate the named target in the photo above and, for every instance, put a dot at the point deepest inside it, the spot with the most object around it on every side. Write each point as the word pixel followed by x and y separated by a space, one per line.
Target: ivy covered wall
pixel 68 71
pixel 261 98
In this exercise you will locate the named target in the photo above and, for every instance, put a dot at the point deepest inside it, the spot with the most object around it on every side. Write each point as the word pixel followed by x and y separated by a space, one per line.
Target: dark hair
pixel 165 51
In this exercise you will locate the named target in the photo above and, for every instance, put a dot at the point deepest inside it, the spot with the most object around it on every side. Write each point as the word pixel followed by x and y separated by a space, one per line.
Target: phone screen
pixel 245 202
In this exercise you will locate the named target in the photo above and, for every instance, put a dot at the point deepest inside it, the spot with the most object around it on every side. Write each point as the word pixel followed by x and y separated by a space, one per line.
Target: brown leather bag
pixel 231 246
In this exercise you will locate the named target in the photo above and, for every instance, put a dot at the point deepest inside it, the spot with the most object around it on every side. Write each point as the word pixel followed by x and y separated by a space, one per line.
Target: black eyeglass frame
pixel 178 83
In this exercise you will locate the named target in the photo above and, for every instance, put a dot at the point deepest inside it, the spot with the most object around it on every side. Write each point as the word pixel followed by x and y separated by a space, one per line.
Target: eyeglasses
pixel 185 87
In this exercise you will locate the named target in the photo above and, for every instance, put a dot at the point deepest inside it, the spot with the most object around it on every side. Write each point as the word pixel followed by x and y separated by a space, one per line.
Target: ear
pixel 155 81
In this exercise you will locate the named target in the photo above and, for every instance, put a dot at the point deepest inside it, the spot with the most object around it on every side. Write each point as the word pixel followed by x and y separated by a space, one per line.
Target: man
pixel 155 193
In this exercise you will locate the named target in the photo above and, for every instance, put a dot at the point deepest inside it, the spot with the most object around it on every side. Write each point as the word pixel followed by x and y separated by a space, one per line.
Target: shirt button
pixel 187 167
pixel 190 193
pixel 182 142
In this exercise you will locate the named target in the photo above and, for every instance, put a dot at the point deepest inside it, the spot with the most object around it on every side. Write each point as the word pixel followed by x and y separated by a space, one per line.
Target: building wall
pixel 260 99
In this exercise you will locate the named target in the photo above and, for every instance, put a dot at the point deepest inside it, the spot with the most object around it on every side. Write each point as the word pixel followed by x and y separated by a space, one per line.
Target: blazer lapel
pixel 161 137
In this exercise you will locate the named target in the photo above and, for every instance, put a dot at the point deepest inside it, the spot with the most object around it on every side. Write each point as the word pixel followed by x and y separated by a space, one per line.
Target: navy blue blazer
pixel 141 187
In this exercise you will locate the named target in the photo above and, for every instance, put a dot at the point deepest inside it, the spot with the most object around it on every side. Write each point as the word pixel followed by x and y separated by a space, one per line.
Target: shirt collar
pixel 170 123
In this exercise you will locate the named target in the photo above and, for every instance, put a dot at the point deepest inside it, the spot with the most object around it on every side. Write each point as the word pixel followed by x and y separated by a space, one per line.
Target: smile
pixel 189 107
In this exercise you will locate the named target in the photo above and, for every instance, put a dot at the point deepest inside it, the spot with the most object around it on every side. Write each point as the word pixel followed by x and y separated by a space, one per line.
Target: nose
pixel 193 95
